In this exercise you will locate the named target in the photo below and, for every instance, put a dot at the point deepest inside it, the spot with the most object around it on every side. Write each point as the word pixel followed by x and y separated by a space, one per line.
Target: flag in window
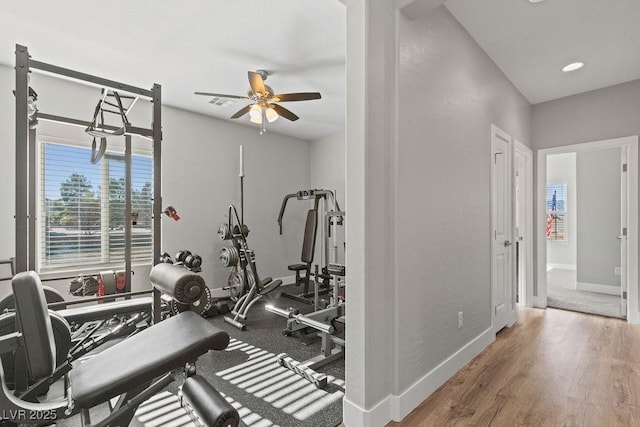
pixel 552 213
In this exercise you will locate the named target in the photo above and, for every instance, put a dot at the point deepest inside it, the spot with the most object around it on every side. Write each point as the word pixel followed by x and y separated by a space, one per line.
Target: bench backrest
pixel 309 240
pixel 34 324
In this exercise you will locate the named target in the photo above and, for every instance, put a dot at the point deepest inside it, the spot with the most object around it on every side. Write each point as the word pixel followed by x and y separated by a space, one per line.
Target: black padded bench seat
pixel 164 347
pixel 106 310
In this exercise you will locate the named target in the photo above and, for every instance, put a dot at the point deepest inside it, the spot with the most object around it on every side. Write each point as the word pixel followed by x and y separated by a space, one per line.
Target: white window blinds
pixel 82 208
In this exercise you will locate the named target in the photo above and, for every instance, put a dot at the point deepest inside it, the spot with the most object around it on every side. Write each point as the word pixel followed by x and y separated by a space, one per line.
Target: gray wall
pixel 327 165
pixel 606 113
pixel 328 172
pixel 561 168
pixel 206 151
pixel 450 93
pixel 598 250
pixel 200 177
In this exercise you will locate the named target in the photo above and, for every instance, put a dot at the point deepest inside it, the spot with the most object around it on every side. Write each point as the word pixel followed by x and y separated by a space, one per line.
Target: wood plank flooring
pixel 552 368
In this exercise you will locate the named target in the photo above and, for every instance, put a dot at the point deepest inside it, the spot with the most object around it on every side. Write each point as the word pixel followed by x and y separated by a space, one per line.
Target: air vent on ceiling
pixel 222 102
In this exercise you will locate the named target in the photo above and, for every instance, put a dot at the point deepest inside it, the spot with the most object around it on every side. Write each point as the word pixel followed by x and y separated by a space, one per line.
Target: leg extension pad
pixel 205 401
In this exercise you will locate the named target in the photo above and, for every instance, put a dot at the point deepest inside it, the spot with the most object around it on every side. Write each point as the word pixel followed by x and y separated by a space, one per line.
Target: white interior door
pixel 520 225
pixel 501 252
pixel 523 168
pixel 623 233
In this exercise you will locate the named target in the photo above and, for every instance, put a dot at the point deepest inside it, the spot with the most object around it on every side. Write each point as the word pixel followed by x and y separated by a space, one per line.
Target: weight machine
pixel 331 216
pixel 27 117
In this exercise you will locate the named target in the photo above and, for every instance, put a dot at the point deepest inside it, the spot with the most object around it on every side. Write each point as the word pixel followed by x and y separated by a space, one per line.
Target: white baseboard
pixel 537 303
pixel 551 266
pixel 354 416
pixel 598 288
pixel 402 405
pixel 397 407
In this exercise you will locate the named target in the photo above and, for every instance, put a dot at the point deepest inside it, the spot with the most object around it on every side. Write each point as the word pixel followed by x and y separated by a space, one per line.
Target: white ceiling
pixel 196 45
pixel 532 42
pixel 209 45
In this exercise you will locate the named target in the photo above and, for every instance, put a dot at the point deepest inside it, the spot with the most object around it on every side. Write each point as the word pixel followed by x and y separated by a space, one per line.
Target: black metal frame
pixel 25 197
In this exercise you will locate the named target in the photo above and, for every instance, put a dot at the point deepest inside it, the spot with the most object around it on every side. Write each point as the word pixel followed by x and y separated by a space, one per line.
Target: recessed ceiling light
pixel 572 67
pixel 536 1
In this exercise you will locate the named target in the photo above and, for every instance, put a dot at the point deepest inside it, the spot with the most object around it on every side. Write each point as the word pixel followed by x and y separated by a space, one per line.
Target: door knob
pixel 507 243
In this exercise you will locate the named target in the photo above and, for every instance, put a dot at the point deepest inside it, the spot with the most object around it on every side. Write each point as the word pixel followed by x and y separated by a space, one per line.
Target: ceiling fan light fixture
pixel 262 108
pixel 255 114
pixel 271 114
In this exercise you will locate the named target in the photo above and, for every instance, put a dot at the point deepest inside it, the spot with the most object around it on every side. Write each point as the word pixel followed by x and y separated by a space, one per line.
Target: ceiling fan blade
pixel 220 95
pixel 284 112
pixel 241 112
pixel 257 84
pixel 303 96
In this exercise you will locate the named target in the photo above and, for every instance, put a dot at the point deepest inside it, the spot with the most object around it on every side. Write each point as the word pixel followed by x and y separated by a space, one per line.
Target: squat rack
pixel 25 207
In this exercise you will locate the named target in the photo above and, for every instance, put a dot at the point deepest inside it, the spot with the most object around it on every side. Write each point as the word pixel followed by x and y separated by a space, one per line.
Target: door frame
pixel 631 142
pixel 526 245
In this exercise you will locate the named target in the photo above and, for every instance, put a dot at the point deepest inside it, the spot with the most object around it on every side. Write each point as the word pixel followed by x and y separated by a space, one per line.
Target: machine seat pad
pixel 162 348
pixel 106 310
pixel 297 267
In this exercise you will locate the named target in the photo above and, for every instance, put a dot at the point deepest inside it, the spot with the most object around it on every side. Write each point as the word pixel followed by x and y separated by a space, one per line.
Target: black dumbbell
pixel 165 257
pixel 182 255
pixel 193 262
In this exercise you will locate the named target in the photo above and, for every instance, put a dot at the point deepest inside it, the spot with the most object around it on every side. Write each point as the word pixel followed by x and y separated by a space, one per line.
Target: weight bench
pixel 127 373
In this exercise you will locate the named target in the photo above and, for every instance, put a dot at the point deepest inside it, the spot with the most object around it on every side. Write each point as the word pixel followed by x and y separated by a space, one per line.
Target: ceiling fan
pixel 263 107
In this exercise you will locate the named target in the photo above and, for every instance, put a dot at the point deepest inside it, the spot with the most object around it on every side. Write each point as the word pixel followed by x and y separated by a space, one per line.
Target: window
pixel 83 207
pixel 557 212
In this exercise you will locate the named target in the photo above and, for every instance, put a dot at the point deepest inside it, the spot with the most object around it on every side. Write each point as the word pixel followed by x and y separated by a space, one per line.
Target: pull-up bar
pixel 77 75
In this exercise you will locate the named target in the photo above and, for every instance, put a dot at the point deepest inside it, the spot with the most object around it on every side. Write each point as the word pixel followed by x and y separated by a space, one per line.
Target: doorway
pixel 587 228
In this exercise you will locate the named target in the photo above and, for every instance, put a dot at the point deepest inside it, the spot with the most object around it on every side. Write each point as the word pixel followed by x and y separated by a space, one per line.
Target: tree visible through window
pixel 83 208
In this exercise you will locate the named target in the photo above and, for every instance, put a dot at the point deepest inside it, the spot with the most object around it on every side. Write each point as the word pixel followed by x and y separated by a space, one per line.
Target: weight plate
pixel 236 283
pixel 199 306
pixel 236 289
pixel 229 256
pixel 61 337
pixel 223 232
pixel 8 303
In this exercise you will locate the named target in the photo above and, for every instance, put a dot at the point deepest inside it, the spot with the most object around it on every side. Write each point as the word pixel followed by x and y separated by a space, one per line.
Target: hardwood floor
pixel 552 368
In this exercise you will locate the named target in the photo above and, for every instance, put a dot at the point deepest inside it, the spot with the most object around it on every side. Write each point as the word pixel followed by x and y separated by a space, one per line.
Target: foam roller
pixel 177 282
pixel 207 403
